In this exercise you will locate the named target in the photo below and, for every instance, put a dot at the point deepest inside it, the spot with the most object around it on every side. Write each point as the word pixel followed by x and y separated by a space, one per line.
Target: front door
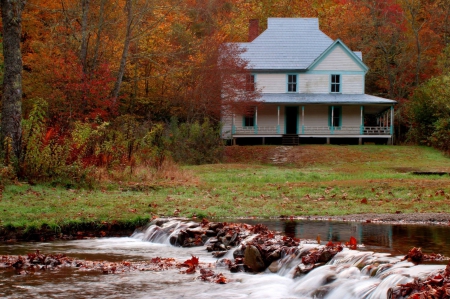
pixel 291 114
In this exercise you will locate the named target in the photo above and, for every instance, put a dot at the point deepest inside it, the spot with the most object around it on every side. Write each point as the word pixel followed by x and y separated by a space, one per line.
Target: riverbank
pixel 101 230
pixel 350 183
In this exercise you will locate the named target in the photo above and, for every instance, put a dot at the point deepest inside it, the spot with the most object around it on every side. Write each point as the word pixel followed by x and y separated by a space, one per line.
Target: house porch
pixel 327 122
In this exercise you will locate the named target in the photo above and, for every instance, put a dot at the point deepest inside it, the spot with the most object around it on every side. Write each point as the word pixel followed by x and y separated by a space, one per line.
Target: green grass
pixel 317 180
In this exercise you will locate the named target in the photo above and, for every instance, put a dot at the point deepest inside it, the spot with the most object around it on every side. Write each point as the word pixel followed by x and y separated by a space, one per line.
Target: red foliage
pixel 351 244
pixel 191 264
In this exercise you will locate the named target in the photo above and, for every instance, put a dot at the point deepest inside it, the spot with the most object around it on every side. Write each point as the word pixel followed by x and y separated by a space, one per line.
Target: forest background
pixel 127 83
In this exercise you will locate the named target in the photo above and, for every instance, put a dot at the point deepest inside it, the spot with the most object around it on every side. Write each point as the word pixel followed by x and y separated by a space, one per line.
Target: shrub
pixel 195 143
pixel 429 111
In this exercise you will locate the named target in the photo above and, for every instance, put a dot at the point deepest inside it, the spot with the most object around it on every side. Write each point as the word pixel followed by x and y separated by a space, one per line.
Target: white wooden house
pixel 311 87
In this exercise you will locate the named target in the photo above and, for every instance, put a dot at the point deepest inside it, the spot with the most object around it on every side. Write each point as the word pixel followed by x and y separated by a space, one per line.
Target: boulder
pixel 253 259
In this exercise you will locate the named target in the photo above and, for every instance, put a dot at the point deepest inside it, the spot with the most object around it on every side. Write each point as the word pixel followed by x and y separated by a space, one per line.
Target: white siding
pixel 338 60
pixel 351 116
pixel 271 83
pixel 316 116
pixel 267 116
pixel 227 121
pixel 352 84
pixel 314 83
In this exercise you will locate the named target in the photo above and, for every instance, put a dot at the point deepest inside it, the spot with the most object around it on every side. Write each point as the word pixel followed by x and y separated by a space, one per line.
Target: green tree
pixel 429 112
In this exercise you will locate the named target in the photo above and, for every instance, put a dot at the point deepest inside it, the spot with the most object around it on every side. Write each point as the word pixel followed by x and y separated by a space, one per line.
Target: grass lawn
pixel 256 181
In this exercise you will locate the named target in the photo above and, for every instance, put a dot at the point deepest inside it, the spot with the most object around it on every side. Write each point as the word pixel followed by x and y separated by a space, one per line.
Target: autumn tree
pixel 12 79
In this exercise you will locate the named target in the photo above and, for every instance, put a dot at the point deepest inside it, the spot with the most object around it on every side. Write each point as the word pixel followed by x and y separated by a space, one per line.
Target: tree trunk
pixel 12 79
pixel 84 35
pixel 123 60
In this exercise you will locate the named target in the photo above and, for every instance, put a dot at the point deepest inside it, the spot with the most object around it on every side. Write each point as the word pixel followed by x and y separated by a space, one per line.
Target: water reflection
pixel 392 238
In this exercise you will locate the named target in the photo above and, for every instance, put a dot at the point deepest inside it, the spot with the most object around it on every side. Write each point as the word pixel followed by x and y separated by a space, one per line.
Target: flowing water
pixel 364 273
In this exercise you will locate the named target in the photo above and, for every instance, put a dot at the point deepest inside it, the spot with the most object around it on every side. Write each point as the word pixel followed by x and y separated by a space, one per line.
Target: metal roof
pixel 331 98
pixel 287 44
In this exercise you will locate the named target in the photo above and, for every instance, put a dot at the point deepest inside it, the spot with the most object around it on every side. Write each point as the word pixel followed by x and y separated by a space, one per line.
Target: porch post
pixel 392 124
pixel 278 123
pixel 256 120
pixel 361 131
pixel 332 120
pixel 303 119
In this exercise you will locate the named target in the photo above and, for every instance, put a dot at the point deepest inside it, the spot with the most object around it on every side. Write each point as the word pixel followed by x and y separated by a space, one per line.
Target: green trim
pixel 331 83
pixel 334 72
pixel 330 49
pixel 392 121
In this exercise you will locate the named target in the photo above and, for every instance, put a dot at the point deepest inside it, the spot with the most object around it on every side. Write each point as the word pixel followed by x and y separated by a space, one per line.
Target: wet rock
pixel 238 253
pixel 273 256
pixel 274 267
pixel 219 253
pixel 210 232
pixel 321 292
pixel 253 259
pixel 178 239
pixel 325 256
pixel 216 226
pixel 194 231
pixel 234 268
pixel 224 241
pixel 233 239
pixel 303 269
pixel 222 233
pixel 204 239
pixel 193 225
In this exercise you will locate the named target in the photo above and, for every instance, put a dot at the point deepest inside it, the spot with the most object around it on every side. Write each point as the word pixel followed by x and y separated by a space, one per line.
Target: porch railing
pixel 313 130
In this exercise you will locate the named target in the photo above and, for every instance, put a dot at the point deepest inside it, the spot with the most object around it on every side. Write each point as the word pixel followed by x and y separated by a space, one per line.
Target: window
pixel 335 116
pixel 292 83
pixel 249 117
pixel 336 83
pixel 250 82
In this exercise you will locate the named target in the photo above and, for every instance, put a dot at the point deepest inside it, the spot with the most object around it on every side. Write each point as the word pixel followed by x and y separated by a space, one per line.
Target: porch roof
pixel 309 98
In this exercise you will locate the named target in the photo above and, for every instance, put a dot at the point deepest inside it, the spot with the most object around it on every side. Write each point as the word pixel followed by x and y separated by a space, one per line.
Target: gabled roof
pixel 355 56
pixel 288 43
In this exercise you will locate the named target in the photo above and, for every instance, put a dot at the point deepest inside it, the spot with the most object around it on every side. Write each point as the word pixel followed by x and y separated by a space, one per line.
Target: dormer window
pixel 292 83
pixel 335 83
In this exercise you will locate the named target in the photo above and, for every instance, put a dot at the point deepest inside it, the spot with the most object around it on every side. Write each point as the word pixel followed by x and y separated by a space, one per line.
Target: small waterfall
pixel 350 274
pixel 164 231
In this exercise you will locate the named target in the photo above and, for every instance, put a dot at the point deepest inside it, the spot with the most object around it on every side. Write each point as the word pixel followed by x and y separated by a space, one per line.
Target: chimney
pixel 253 29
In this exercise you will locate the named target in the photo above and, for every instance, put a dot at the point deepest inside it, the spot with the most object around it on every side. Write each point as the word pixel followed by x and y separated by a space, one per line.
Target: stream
pixel 349 274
